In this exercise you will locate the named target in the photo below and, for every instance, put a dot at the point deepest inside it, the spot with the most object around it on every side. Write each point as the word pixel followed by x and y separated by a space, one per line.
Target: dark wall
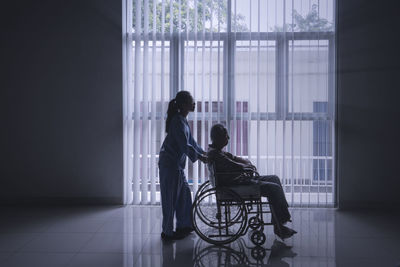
pixel 61 101
pixel 368 62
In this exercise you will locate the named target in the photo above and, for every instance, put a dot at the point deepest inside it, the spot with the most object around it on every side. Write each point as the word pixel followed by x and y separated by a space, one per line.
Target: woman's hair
pixel 175 105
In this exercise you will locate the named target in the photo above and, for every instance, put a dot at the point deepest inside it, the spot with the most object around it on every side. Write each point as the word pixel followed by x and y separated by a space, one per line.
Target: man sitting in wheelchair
pixel 270 185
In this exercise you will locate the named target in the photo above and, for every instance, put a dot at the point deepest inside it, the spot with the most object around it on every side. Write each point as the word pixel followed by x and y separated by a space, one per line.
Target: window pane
pixel 255 75
pixel 308 74
pixel 299 16
pixel 203 72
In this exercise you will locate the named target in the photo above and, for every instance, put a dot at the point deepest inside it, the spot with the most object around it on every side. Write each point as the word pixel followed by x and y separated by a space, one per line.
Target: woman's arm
pixel 182 138
pixel 195 145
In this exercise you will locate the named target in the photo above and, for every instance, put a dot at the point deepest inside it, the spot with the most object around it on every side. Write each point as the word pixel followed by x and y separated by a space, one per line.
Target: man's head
pixel 219 136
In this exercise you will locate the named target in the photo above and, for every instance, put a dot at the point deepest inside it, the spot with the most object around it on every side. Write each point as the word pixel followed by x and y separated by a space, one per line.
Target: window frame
pixel 177 65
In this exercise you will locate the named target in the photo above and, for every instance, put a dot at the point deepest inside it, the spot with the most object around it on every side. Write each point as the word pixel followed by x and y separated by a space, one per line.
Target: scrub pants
pixel 175 199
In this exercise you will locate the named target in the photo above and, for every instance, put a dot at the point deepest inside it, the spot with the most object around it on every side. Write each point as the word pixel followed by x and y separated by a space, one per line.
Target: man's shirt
pixel 228 170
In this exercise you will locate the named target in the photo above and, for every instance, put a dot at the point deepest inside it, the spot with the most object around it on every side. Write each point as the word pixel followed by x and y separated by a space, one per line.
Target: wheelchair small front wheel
pixel 254 223
pixel 258 238
pixel 258 253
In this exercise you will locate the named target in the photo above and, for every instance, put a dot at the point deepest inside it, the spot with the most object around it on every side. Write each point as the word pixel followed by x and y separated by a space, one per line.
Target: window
pixel 262 68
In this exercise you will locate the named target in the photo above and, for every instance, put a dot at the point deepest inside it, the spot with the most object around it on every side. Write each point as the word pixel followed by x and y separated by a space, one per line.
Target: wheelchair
pixel 221 214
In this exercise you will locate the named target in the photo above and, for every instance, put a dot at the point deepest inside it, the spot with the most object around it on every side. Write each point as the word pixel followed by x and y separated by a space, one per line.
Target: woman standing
pixel 175 192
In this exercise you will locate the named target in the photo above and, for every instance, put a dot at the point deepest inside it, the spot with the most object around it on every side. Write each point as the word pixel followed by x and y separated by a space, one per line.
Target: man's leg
pixel 270 187
pixel 184 204
pixel 168 188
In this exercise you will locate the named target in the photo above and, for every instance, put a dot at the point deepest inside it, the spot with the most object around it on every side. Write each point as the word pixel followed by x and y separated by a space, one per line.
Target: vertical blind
pixel 263 68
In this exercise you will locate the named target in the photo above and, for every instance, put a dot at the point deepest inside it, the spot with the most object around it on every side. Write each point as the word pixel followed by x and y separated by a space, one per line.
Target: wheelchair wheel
pixel 219 216
pixel 254 223
pixel 203 187
pixel 221 255
pixel 258 238
pixel 258 253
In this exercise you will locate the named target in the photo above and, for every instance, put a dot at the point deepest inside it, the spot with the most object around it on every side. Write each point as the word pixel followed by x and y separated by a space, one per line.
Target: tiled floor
pixel 130 236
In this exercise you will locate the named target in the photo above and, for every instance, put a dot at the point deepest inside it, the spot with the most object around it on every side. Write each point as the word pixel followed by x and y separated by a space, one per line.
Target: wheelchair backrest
pixel 211 173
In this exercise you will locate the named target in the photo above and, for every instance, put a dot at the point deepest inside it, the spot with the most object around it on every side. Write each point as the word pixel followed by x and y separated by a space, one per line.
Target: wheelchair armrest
pixel 234 174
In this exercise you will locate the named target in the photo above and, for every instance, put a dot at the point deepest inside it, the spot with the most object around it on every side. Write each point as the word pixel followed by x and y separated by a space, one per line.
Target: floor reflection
pixel 239 253
pixel 129 236
pixel 179 253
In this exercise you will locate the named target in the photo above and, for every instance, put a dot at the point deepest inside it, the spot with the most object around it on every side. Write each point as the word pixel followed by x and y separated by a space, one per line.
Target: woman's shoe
pixel 166 237
pixel 173 237
pixel 184 231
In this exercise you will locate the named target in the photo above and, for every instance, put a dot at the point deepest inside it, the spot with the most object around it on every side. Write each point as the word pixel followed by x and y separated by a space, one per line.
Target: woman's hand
pixel 203 158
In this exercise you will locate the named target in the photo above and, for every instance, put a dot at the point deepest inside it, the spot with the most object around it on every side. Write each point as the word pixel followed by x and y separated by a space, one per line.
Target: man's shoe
pixel 285 232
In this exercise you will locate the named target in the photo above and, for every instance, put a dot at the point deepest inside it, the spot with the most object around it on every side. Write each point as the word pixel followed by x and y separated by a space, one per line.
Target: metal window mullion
pixel 311 127
pixel 258 86
pixel 327 127
pixel 185 51
pixel 332 59
pixel 162 70
pixel 145 119
pixel 203 106
pixel 249 112
pixel 281 93
pixel 279 76
pixel 318 130
pixel 195 164
pixel 153 113
pixel 331 78
pixel 128 112
pixel 292 118
pixel 228 70
pixel 333 122
pixel 137 90
pixel 218 61
pixel 284 93
pixel 175 73
pixel 226 94
pixel 301 176
pixel 210 103
pixel 267 96
pixel 232 92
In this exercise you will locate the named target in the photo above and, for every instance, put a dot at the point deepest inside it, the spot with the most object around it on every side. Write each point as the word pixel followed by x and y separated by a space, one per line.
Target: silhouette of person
pixel 246 173
pixel 175 192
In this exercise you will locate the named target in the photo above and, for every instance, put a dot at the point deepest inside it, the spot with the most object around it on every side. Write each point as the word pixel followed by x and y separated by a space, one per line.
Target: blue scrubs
pixel 175 192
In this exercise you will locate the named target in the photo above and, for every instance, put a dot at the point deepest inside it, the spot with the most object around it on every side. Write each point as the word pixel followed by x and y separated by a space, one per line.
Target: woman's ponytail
pixel 175 104
pixel 172 110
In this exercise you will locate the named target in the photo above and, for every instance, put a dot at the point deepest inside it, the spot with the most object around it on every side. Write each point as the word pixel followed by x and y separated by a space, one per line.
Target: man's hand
pixel 250 167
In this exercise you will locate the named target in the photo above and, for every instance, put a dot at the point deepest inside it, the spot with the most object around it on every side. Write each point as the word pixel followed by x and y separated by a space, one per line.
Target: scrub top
pixel 178 144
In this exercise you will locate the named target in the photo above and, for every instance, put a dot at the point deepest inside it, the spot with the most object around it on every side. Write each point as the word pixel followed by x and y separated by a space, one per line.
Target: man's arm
pixel 244 162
